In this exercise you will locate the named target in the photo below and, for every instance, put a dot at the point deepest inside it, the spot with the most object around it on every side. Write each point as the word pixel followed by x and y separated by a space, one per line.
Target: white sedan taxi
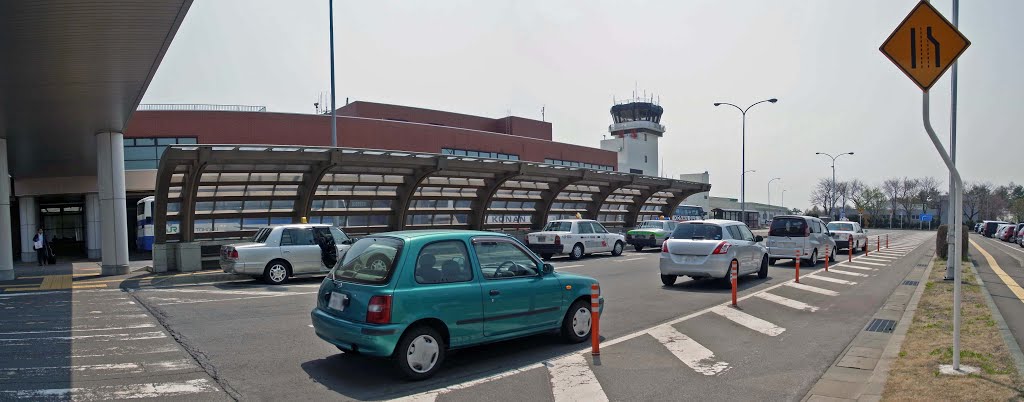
pixel 576 237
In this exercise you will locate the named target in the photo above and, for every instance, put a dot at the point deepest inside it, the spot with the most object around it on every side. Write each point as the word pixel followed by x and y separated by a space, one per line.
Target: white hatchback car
pixel 277 253
pixel 706 249
pixel 576 237
pixel 806 234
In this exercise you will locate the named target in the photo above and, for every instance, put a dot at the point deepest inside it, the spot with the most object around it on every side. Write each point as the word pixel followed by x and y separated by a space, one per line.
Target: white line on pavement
pixel 100 369
pixel 106 337
pixel 881 257
pixel 847 273
pixel 137 326
pixel 108 392
pixel 691 353
pixel 857 267
pixel 833 280
pixel 172 301
pixel 799 305
pixel 749 321
pixel 873 259
pixel 813 289
pixel 572 380
pixel 871 263
pixel 633 259
pixel 569 266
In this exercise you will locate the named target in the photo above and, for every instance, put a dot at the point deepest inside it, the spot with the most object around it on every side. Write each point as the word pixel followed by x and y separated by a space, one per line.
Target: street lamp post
pixel 834 185
pixel 783 202
pixel 770 192
pixel 743 150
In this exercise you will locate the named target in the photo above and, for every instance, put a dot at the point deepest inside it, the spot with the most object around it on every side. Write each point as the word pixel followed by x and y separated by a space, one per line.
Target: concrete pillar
pixel 92 225
pixel 6 246
pixel 28 210
pixel 113 206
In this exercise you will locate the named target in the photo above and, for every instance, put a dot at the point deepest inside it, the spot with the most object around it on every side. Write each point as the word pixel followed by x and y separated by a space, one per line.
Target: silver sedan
pixel 278 253
pixel 707 249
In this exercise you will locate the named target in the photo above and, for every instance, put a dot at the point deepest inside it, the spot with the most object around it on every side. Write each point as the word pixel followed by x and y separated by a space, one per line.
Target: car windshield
pixel 841 227
pixel 370 260
pixel 558 227
pixel 697 231
pixel 790 227
pixel 652 225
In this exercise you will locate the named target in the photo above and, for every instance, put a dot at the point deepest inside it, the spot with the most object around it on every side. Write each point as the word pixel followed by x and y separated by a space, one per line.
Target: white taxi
pixel 576 237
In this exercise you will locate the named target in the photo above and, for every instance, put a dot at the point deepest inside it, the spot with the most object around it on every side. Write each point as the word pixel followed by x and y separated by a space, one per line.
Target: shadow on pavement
pixel 36 341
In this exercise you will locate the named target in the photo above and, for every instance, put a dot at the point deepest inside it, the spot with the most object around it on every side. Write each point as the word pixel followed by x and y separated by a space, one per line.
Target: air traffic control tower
pixel 635 131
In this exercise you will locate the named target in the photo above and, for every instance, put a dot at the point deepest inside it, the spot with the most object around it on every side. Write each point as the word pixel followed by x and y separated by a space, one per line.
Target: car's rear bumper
pixel 238 267
pixel 372 340
pixel 546 248
pixel 787 252
pixel 644 241
pixel 716 266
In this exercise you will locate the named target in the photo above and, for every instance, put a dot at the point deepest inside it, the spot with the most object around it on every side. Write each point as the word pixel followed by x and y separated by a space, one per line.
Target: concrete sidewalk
pixel 86 275
pixel 860 372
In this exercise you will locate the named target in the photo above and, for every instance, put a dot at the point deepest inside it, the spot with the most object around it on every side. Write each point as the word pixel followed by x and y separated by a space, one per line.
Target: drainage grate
pixel 879 325
pixel 911 283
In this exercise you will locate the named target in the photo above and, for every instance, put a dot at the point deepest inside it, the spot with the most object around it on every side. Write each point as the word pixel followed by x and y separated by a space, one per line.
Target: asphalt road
pixel 250 341
pixel 1009 261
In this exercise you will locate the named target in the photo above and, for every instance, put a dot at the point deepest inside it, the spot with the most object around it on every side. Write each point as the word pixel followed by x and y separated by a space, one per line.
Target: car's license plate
pixel 689 259
pixel 542 238
pixel 337 301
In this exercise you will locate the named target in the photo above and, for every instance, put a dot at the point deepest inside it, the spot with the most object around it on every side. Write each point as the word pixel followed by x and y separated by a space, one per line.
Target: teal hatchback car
pixel 414 295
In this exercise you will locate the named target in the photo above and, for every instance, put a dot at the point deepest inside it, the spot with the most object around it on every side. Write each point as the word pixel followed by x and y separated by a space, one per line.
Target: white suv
pixel 807 234
pixel 576 237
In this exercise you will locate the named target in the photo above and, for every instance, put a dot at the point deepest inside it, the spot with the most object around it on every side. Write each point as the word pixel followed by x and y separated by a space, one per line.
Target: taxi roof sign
pixel 924 45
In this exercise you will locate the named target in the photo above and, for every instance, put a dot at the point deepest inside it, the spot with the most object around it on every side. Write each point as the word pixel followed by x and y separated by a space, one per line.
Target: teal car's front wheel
pixel 420 353
pixel 576 324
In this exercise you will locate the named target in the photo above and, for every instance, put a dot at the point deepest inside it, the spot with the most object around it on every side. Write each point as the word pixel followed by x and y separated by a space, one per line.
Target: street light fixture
pixel 834 185
pixel 743 151
pixel 770 192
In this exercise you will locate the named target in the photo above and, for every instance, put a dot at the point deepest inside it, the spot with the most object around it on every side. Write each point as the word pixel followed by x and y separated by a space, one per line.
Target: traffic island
pixel 916 373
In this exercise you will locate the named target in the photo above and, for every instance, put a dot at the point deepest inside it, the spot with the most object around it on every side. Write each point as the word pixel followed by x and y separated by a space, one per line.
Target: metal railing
pixel 200 107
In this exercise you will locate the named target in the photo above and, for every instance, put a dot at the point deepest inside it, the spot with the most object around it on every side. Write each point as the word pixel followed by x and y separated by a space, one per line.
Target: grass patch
pixel 915 375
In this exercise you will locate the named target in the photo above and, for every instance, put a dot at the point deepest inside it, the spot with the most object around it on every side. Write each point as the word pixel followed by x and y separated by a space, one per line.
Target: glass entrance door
pixel 64 227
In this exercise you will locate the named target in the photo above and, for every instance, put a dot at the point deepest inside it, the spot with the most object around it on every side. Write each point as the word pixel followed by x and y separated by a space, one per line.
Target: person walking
pixel 39 243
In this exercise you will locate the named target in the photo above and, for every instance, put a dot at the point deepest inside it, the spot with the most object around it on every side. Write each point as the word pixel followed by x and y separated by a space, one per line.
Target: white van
pixel 807 234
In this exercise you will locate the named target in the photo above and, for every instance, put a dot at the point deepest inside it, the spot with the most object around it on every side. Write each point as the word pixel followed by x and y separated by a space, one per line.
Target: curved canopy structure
pixel 229 191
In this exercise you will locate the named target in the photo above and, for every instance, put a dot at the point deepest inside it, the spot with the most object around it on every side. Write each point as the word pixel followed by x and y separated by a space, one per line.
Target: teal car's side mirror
pixel 548 268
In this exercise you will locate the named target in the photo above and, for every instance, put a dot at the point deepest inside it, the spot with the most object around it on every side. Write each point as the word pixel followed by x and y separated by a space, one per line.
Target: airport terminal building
pixel 67 207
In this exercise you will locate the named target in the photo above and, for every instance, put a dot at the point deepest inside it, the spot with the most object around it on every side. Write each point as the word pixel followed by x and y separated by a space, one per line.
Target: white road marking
pixel 848 273
pixel 76 329
pixel 691 353
pixel 107 392
pixel 813 289
pixel 871 263
pixel 857 267
pixel 99 369
pixel 215 291
pixel 749 321
pixel 883 257
pixel 833 280
pixel 102 338
pixel 799 305
pixel 572 380
pixel 873 259
pixel 633 259
pixel 569 266
pixel 172 301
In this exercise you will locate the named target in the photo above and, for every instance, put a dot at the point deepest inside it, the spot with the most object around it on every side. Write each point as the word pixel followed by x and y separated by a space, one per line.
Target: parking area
pixel 252 341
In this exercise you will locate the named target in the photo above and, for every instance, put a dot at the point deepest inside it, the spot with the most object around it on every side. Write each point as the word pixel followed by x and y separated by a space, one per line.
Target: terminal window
pixel 577 164
pixel 144 153
pixel 479 154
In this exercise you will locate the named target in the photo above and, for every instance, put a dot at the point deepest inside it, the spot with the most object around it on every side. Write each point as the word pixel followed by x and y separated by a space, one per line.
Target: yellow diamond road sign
pixel 924 45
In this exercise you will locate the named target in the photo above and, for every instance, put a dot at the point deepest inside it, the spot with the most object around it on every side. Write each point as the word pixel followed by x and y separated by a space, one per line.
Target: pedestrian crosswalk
pixel 698 342
pixel 90 346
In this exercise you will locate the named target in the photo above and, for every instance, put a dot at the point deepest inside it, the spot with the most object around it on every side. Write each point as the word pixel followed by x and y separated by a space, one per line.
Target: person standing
pixel 39 243
pixel 328 250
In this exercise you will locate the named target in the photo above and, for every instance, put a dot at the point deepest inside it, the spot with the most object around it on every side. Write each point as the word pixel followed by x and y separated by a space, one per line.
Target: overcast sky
pixel 837 92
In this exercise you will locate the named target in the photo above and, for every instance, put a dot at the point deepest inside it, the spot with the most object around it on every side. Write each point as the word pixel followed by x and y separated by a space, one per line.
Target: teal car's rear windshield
pixel 371 260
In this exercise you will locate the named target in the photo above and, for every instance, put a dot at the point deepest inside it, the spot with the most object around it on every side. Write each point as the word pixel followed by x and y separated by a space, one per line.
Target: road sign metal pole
pixel 952 146
pixel 957 223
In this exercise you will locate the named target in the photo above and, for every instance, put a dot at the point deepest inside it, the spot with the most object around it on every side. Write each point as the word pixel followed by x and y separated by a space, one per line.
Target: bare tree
pixel 928 195
pixel 905 195
pixel 891 189
pixel 974 197
pixel 822 195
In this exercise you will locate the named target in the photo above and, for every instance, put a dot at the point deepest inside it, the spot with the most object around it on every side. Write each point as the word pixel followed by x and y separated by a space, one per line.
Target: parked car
pixel 439 290
pixel 807 234
pixel 1003 231
pixel 1020 237
pixel 977 228
pixel 651 233
pixel 843 230
pixel 706 249
pixel 278 253
pixel 576 237
pixel 990 228
pixel 1014 232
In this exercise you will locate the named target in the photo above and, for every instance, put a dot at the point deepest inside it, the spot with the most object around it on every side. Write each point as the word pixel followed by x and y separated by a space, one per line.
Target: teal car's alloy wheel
pixel 581 322
pixel 422 353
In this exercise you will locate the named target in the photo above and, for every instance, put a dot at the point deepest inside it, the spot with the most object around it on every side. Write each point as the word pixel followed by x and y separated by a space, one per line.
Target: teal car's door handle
pixel 495 292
